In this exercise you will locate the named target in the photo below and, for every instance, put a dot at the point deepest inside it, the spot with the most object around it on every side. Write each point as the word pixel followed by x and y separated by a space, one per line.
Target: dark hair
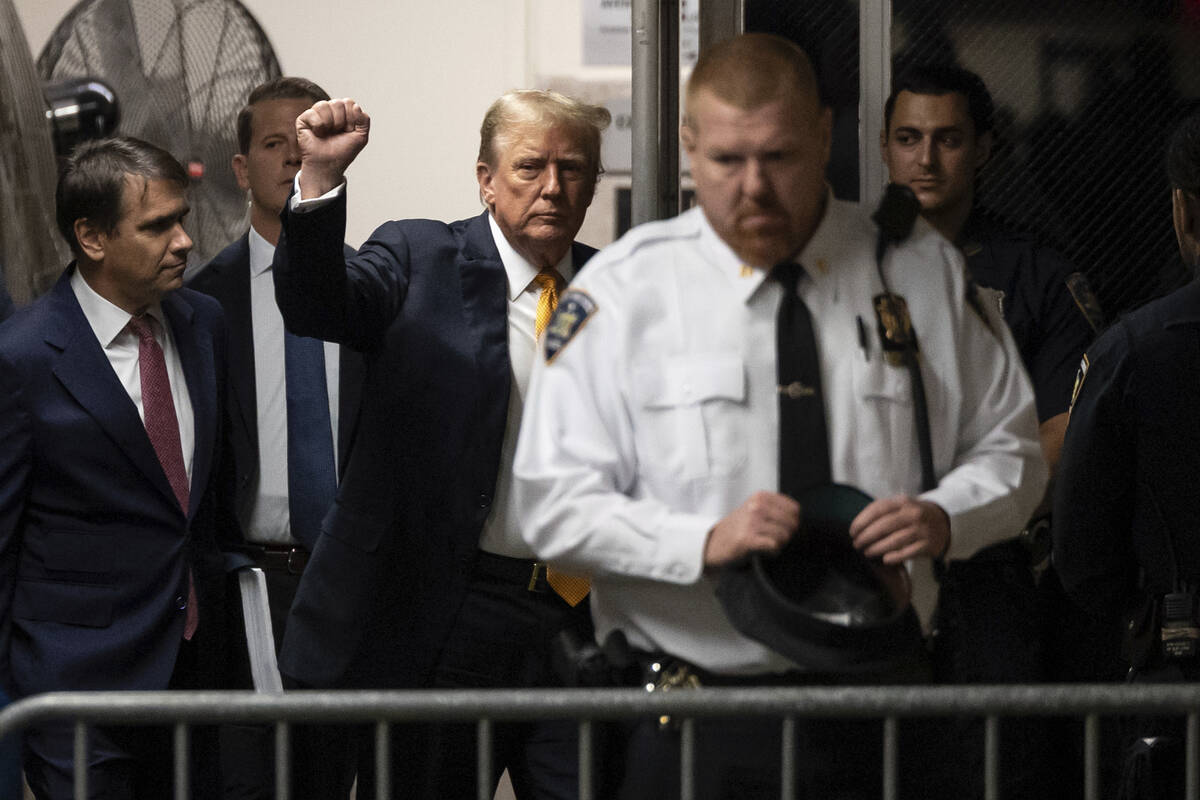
pixel 285 88
pixel 940 79
pixel 1183 155
pixel 91 185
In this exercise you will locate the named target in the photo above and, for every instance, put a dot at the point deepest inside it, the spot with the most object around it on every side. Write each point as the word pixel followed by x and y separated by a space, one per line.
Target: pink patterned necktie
pixel 162 425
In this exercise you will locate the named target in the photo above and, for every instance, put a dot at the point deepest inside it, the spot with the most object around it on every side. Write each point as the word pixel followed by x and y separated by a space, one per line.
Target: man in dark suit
pixel 273 399
pixel 420 577
pixel 111 497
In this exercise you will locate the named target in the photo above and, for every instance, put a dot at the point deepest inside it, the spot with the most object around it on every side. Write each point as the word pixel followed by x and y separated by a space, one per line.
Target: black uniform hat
pixel 821 603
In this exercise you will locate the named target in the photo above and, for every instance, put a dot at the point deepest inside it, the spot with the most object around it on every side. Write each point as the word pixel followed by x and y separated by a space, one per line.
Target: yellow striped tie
pixel 571 588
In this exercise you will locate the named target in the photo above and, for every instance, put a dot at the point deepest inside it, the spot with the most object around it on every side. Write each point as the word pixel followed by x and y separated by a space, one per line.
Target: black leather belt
pixel 530 574
pixel 279 557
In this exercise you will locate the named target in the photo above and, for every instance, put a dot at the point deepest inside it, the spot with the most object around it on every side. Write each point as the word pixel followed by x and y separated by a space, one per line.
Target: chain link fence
pixel 1086 92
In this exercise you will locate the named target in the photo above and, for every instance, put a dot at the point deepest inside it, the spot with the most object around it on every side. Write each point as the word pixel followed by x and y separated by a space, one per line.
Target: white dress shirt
pixel 502 531
pixel 121 346
pixel 269 516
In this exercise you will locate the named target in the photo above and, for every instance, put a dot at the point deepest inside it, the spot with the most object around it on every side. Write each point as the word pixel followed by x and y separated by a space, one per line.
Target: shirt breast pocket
pixel 691 410
pixel 884 426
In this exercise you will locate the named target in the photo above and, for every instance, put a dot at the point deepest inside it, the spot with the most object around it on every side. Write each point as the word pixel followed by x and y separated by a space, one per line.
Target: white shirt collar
pixel 743 278
pixel 831 243
pixel 519 271
pixel 108 320
pixel 827 244
pixel 262 253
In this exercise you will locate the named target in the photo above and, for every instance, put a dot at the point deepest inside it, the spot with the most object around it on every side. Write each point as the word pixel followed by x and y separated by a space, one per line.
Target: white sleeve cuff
pixel 296 205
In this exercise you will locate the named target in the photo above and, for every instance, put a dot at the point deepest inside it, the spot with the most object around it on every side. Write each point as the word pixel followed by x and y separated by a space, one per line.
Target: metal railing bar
pixel 182 762
pixel 991 758
pixel 81 761
pixel 585 760
pixel 787 769
pixel 855 702
pixel 483 777
pixel 283 760
pixel 891 757
pixel 687 759
pixel 1091 757
pixel 1193 768
pixel 383 761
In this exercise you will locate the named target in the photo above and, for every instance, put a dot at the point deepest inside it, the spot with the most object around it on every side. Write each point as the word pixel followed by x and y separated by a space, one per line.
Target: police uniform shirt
pixel 659 415
pixel 1028 282
pixel 1127 496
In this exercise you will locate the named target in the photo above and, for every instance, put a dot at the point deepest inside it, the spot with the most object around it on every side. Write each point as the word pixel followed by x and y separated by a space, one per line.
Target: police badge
pixel 895 328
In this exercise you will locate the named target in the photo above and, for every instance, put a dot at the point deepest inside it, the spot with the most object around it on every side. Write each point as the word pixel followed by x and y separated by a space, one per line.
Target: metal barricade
pixel 485 708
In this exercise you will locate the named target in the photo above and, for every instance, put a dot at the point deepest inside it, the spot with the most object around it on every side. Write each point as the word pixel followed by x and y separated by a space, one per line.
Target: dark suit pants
pixel 126 763
pixel 741 759
pixel 501 639
pixel 322 762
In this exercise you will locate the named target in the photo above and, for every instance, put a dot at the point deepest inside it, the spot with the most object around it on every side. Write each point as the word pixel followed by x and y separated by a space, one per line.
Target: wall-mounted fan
pixel 180 71
pixel 31 252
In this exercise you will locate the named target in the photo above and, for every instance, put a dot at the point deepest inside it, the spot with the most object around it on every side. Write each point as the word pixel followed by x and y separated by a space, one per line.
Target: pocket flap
pixel 690 380
pixel 83 604
pixel 881 380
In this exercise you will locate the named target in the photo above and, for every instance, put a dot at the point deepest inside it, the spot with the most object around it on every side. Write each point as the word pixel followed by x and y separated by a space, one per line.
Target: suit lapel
pixel 235 298
pixel 195 348
pixel 485 303
pixel 84 370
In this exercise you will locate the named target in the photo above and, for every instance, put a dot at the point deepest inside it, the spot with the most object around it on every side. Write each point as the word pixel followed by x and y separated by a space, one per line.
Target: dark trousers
pixel 501 638
pixel 741 759
pixel 322 762
pixel 127 763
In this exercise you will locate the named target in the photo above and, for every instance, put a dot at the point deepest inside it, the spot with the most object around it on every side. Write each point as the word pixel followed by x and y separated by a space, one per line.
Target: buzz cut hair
pixel 285 88
pixel 91 184
pixel 545 109
pixel 750 70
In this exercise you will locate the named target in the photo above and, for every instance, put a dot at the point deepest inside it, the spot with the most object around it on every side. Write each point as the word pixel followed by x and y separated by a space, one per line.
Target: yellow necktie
pixel 547 280
pixel 571 588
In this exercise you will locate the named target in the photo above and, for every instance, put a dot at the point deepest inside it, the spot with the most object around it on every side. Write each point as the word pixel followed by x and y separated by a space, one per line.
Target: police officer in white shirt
pixel 649 452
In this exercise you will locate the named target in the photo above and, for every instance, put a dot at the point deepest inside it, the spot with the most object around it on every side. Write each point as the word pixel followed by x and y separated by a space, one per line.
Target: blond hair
pixel 543 108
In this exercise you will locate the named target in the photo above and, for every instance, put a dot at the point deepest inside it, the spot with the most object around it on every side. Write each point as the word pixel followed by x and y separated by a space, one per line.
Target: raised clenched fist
pixel 330 135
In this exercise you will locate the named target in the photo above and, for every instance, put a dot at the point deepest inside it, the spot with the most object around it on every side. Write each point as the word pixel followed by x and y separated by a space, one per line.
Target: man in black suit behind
pixel 420 577
pixel 264 388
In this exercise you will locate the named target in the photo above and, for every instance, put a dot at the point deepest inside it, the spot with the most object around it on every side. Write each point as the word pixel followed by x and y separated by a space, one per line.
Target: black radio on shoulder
pixel 1180 631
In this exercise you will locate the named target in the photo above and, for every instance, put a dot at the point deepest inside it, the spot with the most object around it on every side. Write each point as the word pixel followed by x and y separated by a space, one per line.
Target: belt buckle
pixel 664 676
pixel 294 558
pixel 539 568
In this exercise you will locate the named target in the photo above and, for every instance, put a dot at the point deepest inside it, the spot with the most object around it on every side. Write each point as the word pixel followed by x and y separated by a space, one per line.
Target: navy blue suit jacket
pixel 427 304
pixel 227 278
pixel 94 548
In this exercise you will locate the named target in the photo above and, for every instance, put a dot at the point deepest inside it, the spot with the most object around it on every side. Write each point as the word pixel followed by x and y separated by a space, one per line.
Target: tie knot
pixel 788 274
pixel 143 326
pixel 547 279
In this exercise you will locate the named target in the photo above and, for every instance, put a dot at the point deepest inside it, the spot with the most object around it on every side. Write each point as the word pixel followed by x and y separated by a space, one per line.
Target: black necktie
pixel 312 481
pixel 803 438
